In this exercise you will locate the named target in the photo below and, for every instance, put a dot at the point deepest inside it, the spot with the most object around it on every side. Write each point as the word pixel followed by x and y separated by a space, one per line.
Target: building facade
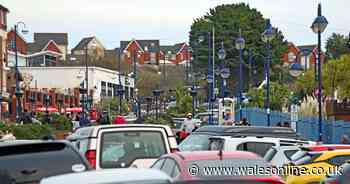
pixel 3 60
pixel 21 49
pixel 93 46
pixel 102 82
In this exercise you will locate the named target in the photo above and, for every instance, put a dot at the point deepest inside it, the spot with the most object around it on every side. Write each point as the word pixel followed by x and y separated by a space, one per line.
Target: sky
pixel 167 20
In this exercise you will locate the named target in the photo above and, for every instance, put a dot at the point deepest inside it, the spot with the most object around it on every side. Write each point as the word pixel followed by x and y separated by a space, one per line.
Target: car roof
pixel 281 132
pixel 28 142
pixel 328 146
pixel 93 130
pixel 109 176
pixel 214 155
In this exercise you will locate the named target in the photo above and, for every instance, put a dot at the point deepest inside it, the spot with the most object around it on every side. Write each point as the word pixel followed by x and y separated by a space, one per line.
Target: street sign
pixel 294 116
pixel 225 73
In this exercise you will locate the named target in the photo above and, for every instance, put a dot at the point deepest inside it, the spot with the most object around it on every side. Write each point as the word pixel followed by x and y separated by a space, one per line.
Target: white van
pixel 121 146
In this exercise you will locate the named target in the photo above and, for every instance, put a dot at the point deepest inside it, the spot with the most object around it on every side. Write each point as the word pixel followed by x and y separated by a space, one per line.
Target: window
pixel 259 148
pixel 168 166
pixel 103 88
pixel 83 146
pixel 115 88
pixel 291 57
pixel 122 148
pixel 339 160
pixel 270 154
pixel 289 153
pixel 158 164
pixel 110 89
pixel 153 56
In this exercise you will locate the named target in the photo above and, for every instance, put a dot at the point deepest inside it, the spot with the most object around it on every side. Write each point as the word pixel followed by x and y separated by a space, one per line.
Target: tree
pixel 278 96
pixel 337 45
pixel 335 77
pixel 227 20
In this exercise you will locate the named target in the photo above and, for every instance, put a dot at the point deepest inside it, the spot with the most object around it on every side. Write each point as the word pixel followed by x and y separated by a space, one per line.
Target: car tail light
pixel 91 157
pixel 174 150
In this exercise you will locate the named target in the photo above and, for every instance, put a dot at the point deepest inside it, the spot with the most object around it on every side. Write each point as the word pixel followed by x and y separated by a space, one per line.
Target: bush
pixel 162 120
pixel 27 131
pixel 60 122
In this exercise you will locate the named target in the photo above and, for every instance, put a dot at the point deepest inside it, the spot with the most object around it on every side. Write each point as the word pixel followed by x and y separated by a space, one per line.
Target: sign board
pixel 294 116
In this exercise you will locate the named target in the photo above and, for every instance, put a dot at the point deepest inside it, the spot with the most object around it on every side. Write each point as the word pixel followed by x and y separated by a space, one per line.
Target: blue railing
pixel 307 127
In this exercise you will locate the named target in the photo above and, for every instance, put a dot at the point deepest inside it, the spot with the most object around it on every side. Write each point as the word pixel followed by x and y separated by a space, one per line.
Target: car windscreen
pixel 31 162
pixel 298 155
pixel 235 167
pixel 270 154
pixel 195 142
pixel 120 149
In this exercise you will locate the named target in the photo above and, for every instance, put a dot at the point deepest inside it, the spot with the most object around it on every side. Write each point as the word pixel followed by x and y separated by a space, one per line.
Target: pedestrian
pixel 345 139
pixel 119 120
pixel 105 118
pixel 188 123
pixel 245 122
pixel 183 134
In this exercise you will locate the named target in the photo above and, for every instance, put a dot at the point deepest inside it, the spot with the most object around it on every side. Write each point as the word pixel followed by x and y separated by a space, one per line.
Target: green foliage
pixel 227 20
pixel 61 122
pixel 27 131
pixel 278 96
pixel 337 45
pixel 112 105
pixel 163 119
pixel 335 77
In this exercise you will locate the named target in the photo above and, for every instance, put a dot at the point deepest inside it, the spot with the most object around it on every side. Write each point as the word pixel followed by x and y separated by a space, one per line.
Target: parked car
pixel 109 176
pixel 199 140
pixel 256 144
pixel 190 166
pixel 280 155
pixel 324 161
pixel 30 161
pixel 121 146
pixel 321 147
pixel 342 177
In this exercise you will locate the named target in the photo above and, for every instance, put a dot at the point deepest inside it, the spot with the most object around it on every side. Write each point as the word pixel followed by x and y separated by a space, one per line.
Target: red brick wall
pixel 134 49
pixel 21 44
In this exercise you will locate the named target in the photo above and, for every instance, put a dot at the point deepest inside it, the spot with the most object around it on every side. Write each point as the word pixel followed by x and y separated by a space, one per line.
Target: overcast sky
pixel 167 20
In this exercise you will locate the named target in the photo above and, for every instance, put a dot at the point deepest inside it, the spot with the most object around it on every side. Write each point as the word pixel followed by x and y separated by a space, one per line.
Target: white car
pixel 279 156
pixel 109 176
pixel 256 144
pixel 122 146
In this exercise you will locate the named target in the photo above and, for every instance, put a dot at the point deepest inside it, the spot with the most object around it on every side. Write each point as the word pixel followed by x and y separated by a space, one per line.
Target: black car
pixel 27 162
pixel 200 139
pixel 343 177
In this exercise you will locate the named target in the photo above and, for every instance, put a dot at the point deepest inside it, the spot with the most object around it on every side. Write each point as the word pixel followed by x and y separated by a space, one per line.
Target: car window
pixel 195 142
pixel 307 159
pixel 259 148
pixel 31 162
pixel 270 154
pixel 158 164
pixel 83 145
pixel 120 149
pixel 339 160
pixel 176 171
pixel 289 153
pixel 168 166
pixel 298 155
pixel 216 144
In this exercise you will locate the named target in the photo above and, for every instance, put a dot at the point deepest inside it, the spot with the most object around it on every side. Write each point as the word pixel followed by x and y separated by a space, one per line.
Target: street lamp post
pixel 240 44
pixel 156 94
pixel 224 72
pixel 267 37
pixel 18 92
pixel 47 101
pixel 318 26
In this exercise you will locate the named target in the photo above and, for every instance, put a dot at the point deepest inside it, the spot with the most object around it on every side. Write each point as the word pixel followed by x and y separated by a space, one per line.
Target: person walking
pixel 105 120
pixel 119 120
pixel 188 123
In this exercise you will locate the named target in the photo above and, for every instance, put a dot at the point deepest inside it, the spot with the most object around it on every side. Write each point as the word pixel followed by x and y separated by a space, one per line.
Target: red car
pixel 320 147
pixel 218 166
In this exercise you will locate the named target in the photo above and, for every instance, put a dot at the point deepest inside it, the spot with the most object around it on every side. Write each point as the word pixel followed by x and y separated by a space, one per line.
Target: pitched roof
pixel 82 44
pixel 35 47
pixel 4 8
pixel 59 38
pixel 150 45
pixel 173 48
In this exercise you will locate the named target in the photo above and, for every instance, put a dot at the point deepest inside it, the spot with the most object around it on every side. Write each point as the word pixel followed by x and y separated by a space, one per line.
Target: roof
pixel 109 176
pixel 306 47
pixel 59 38
pixel 83 43
pixel 173 48
pixel 4 8
pixel 213 155
pixel 279 132
pixel 151 45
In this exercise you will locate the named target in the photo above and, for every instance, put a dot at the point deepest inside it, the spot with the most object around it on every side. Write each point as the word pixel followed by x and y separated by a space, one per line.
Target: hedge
pixel 27 131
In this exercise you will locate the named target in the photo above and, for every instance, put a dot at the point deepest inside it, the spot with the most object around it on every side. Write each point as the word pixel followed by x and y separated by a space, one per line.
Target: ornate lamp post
pixel 18 92
pixel 318 26
pixel 224 72
pixel 240 44
pixel 267 36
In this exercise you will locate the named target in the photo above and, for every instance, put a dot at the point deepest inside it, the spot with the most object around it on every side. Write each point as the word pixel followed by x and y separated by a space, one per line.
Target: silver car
pixel 115 176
